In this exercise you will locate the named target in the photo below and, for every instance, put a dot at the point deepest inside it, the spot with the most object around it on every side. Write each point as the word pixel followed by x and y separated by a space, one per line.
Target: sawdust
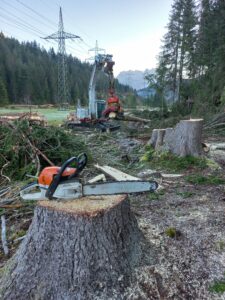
pixel 89 206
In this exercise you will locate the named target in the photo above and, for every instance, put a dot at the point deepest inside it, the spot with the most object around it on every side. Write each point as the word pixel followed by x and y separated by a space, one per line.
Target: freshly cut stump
pixel 185 138
pixel 74 250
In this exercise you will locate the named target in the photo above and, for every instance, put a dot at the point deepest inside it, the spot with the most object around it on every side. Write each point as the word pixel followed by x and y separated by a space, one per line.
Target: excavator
pixel 95 117
pixel 113 108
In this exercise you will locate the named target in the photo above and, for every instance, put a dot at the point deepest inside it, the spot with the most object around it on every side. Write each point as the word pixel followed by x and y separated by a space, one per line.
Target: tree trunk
pixel 74 250
pixel 183 140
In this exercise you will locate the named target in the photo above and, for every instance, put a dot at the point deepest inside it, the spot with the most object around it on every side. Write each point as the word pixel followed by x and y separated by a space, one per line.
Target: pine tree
pixel 177 57
pixel 3 94
pixel 29 74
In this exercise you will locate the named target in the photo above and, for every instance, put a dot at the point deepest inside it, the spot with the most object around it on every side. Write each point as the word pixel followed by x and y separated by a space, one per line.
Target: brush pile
pixel 26 149
pixel 216 123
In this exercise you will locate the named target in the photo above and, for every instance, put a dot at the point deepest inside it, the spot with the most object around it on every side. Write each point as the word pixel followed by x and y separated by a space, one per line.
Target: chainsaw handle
pixel 81 161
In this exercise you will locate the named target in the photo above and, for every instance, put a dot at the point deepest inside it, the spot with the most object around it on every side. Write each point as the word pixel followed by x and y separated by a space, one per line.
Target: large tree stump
pixel 74 250
pixel 183 140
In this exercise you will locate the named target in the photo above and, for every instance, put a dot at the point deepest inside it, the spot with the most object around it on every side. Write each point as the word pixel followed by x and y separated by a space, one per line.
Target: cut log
pixel 116 174
pixel 133 118
pixel 74 250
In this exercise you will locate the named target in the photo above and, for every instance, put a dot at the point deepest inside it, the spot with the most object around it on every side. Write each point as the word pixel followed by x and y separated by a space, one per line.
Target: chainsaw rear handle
pixel 81 161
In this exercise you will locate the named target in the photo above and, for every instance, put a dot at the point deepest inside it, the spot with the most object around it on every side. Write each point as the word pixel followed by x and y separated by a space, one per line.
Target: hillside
pixel 29 75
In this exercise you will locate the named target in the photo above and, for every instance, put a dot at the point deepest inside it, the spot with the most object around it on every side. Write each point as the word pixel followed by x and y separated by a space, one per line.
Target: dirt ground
pixel 183 226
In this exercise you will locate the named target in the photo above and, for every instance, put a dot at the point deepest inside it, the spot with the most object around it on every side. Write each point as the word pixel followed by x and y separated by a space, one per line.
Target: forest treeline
pixel 191 64
pixel 29 74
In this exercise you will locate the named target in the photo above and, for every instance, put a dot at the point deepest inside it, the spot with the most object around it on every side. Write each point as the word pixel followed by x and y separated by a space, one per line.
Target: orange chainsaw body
pixel 47 174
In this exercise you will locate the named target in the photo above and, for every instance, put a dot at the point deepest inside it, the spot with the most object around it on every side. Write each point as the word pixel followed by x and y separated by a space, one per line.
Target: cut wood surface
pixel 116 174
pixel 90 205
pixel 74 250
pixel 100 177
pixel 215 146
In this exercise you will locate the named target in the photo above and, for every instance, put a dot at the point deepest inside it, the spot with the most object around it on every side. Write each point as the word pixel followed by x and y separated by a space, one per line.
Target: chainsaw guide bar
pixel 55 183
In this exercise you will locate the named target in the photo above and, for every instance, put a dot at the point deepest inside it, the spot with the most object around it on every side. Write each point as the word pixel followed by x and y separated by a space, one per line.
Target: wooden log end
pixel 192 120
pixel 87 206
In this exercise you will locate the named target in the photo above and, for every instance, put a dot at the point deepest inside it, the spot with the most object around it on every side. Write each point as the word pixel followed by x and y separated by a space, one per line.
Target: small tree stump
pixel 73 250
pixel 153 139
pixel 160 137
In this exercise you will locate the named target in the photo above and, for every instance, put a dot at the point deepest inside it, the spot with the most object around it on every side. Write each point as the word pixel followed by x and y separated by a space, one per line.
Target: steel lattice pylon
pixel 61 36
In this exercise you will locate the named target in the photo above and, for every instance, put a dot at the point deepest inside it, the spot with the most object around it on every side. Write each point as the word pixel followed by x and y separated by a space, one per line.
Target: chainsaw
pixel 62 183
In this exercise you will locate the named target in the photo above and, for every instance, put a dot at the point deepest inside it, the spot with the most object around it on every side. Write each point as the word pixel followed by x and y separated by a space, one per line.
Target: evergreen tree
pixel 30 74
pixel 3 94
pixel 178 52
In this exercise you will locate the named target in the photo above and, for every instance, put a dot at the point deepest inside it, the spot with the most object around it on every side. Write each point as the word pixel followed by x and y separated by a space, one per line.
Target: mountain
pixel 134 79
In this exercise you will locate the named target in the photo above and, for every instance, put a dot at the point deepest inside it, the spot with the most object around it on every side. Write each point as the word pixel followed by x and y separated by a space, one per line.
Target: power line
pixel 21 25
pixel 37 31
pixel 82 31
pixel 35 12
pixel 24 13
pixel 72 18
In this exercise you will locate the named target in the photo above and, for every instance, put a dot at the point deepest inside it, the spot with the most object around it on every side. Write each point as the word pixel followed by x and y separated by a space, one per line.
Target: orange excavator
pixel 113 108
pixel 93 117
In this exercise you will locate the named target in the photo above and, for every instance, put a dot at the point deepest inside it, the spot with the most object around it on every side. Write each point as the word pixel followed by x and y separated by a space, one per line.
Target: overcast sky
pixel 131 30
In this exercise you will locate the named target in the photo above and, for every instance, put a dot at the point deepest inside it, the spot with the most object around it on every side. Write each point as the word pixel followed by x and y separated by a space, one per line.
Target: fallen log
pixel 133 118
pixel 3 236
pixel 74 250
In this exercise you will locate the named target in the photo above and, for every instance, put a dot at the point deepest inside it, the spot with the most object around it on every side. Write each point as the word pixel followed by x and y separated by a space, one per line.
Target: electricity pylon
pixel 96 50
pixel 61 36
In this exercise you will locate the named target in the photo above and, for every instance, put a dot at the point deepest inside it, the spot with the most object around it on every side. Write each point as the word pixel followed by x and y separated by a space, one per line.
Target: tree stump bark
pixel 74 250
pixel 160 137
pixel 152 141
pixel 183 140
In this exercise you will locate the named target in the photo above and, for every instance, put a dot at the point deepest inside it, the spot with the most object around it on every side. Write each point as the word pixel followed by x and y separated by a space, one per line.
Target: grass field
pixel 53 115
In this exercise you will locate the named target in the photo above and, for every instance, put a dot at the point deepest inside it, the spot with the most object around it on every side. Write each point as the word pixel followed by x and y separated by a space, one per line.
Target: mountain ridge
pixel 134 78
